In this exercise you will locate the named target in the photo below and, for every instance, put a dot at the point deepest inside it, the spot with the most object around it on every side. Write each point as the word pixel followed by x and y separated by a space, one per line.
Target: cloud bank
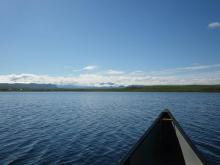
pixel 105 81
pixel 119 78
pixel 214 25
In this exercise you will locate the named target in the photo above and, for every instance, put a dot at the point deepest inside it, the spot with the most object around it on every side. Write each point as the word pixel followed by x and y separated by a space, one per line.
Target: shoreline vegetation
pixel 156 88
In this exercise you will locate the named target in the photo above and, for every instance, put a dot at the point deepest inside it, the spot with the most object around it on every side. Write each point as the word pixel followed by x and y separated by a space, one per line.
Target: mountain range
pixel 30 85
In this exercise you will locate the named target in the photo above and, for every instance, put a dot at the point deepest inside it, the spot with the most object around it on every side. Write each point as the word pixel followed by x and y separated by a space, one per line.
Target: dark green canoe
pixel 164 142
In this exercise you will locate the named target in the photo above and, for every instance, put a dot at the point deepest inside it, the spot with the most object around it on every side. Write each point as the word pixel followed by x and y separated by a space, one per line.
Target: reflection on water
pixel 98 128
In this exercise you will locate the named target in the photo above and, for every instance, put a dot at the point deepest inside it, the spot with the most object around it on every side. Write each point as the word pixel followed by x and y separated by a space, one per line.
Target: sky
pixel 110 42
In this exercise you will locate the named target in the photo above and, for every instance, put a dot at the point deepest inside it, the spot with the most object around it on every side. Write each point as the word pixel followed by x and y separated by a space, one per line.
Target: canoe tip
pixel 166 111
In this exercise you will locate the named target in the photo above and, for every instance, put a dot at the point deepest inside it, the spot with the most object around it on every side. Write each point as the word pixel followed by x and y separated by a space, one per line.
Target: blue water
pixel 98 128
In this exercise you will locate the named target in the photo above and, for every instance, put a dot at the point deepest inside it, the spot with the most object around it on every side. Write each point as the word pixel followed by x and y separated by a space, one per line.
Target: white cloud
pixel 77 70
pixel 214 25
pixel 196 64
pixel 136 72
pixel 195 67
pixel 177 70
pixel 113 72
pixel 200 67
pixel 90 67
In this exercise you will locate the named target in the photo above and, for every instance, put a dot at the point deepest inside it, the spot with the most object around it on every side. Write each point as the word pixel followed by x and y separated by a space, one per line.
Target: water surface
pixel 98 128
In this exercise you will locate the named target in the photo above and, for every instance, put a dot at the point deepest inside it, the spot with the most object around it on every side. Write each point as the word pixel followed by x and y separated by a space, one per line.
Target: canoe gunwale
pixel 191 144
pixel 138 143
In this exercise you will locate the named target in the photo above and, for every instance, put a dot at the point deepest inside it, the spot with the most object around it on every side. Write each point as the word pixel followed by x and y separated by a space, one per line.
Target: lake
pixel 98 127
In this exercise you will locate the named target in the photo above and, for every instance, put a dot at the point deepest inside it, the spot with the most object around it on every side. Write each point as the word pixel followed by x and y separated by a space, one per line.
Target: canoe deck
pixel 163 143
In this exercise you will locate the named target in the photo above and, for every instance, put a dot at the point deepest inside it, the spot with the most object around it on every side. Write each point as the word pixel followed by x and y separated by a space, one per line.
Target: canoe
pixel 163 143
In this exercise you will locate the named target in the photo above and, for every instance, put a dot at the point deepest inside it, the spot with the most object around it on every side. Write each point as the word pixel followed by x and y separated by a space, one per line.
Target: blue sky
pixel 90 42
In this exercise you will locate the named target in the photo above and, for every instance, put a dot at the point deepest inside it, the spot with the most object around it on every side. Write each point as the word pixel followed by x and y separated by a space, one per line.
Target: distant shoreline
pixel 156 88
